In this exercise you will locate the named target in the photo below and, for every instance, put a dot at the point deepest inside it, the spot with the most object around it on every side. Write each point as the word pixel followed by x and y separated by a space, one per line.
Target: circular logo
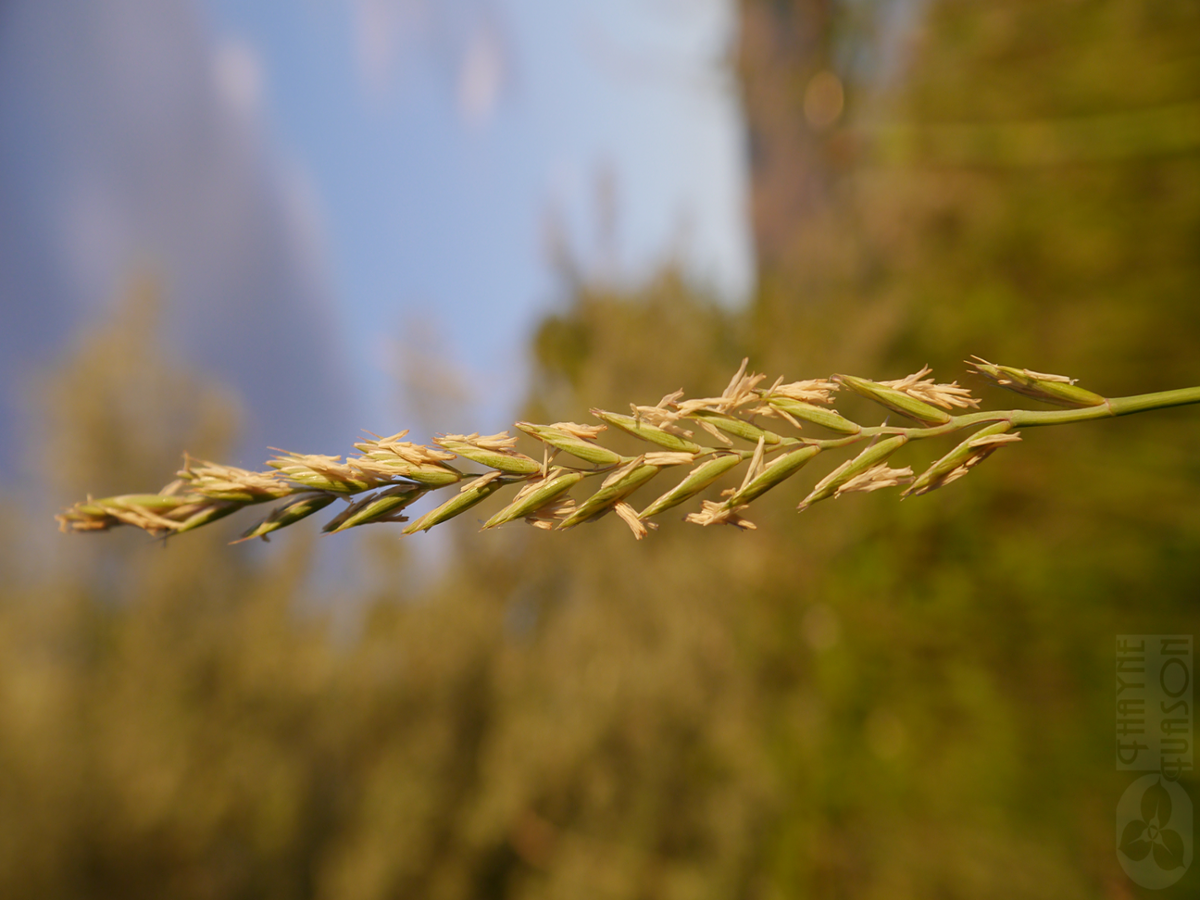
pixel 1154 831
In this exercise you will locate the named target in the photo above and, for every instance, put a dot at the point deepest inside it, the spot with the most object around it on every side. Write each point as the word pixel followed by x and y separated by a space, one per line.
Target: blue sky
pixel 438 139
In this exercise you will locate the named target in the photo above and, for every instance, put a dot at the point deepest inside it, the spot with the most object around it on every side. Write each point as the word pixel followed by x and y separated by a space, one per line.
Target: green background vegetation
pixel 872 699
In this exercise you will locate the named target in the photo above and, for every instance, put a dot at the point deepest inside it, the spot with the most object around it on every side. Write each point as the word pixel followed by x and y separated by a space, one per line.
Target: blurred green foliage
pixel 873 699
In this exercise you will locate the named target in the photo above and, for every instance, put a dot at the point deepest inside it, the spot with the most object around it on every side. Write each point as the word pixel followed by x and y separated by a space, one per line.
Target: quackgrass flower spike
pixel 390 473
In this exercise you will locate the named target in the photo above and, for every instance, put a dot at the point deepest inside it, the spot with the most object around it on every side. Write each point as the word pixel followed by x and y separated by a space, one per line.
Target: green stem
pixel 1117 406
pixel 1020 418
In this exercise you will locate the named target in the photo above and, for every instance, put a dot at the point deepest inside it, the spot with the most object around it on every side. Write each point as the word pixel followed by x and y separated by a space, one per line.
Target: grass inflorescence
pixel 709 437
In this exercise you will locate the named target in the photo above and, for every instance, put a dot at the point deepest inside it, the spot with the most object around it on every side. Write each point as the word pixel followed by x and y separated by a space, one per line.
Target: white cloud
pixel 461 35
pixel 381 30
pixel 239 76
pixel 481 75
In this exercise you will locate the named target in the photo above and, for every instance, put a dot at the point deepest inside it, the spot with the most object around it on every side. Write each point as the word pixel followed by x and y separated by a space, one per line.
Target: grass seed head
pixel 494 451
pixel 798 411
pixel 664 415
pixel 670 437
pixel 962 458
pixel 614 489
pixel 471 494
pixel 874 478
pixel 574 439
pixel 229 482
pixel 829 485
pixel 720 514
pixel 295 509
pixel 552 514
pixel 314 471
pixel 774 473
pixel 630 517
pixel 814 390
pixel 697 480
pixel 896 400
pixel 535 494
pixel 386 459
pixel 719 424
pixel 384 506
pixel 1057 389
pixel 946 396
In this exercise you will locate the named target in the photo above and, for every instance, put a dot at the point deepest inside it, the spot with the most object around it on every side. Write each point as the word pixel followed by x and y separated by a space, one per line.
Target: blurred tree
pixel 952 740
pixel 122 397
